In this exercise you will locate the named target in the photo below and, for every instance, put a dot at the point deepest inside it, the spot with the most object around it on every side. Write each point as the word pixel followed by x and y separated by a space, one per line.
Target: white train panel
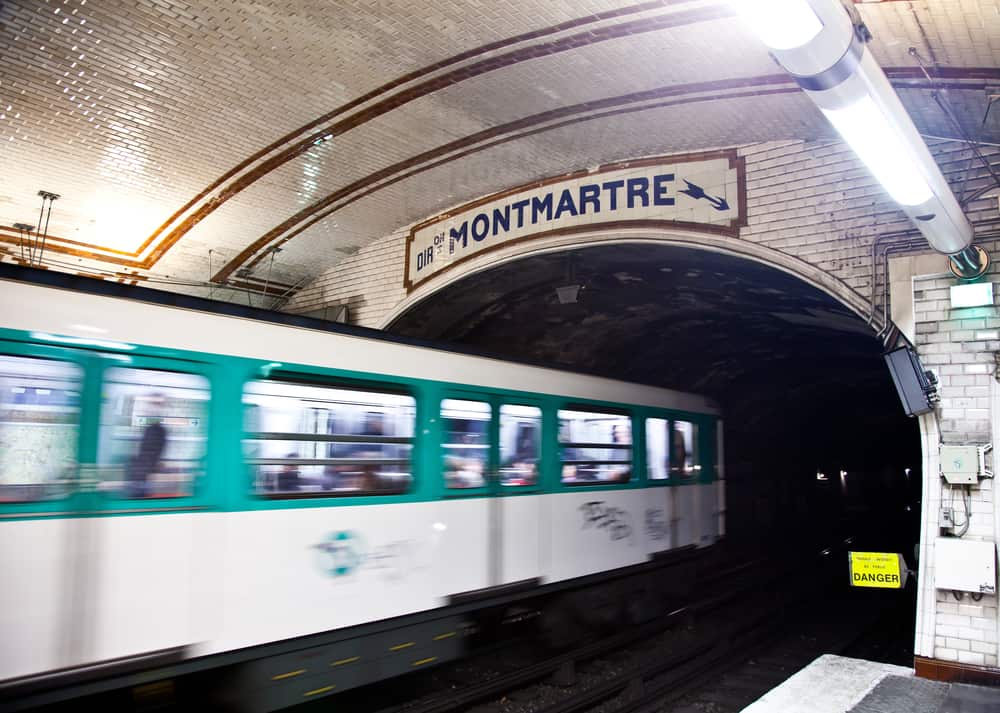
pixel 706 514
pixel 461 531
pixel 595 531
pixel 296 572
pixel 35 593
pixel 521 529
pixel 685 511
pixel 143 569
pixel 656 515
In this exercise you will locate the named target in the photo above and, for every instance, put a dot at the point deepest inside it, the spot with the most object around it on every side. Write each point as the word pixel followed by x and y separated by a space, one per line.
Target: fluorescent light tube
pixel 879 145
pixel 780 24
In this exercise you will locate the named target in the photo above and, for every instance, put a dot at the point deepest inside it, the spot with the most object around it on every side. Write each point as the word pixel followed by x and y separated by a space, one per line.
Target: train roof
pixel 163 298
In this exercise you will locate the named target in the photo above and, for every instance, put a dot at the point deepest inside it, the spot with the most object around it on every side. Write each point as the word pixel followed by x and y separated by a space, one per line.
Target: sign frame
pixel 736 162
pixel 877 558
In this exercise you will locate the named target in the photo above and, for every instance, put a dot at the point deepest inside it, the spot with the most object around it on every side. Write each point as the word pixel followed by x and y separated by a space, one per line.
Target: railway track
pixel 683 667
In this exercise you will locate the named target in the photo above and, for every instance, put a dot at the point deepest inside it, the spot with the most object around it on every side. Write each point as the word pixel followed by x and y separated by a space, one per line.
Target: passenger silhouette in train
pixel 146 460
pixel 619 434
pixel 678 454
pixel 522 470
pixel 288 476
pixel 374 426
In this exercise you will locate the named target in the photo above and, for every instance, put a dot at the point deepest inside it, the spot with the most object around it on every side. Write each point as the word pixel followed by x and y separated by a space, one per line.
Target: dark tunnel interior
pixel 800 378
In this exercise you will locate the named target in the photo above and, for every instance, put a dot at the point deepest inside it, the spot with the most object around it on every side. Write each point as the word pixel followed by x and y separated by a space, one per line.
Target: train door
pixel 153 544
pixel 45 397
pixel 490 450
pixel 516 489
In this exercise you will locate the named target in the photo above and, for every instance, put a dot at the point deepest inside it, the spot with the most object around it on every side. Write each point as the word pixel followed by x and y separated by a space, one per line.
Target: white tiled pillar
pixel 960 346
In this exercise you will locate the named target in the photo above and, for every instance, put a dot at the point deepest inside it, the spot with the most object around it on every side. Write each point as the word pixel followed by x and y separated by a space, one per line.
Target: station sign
pixel 882 570
pixel 704 192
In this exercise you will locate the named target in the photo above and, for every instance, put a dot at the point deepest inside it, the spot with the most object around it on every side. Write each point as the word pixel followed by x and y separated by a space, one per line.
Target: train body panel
pixel 291 573
pixel 221 555
pixel 525 550
pixel 223 581
pixel 35 600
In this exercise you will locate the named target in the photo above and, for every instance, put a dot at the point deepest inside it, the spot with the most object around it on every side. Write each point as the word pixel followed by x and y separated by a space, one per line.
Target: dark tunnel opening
pixel 801 380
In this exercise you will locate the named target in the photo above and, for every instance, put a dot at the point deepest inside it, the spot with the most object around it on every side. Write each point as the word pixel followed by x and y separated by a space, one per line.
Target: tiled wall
pixel 811 201
pixel 960 346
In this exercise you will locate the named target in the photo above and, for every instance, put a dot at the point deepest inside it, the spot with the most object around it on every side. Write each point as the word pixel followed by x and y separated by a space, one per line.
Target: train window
pixel 684 458
pixel 657 453
pixel 305 440
pixel 466 444
pixel 520 444
pixel 39 416
pixel 596 447
pixel 153 430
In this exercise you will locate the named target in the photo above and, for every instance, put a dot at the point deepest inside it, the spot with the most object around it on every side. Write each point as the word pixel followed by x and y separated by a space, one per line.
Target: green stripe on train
pixel 224 486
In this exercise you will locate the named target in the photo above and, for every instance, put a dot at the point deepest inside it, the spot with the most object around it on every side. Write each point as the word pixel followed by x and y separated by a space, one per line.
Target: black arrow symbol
pixel 697 192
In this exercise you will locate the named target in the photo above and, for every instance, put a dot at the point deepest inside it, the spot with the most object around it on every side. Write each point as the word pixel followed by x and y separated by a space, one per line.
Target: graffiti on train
pixel 599 515
pixel 346 552
pixel 657 528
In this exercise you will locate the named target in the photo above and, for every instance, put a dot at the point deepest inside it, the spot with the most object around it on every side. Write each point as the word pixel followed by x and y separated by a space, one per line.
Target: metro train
pixel 188 485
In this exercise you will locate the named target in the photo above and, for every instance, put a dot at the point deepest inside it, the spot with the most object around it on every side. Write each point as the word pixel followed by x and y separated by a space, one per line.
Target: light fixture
pixel 569 291
pixel 781 24
pixel 823 48
pixel 865 128
pixel 974 294
pixel 567 294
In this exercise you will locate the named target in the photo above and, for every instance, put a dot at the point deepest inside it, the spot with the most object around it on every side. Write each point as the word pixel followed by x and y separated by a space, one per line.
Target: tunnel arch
pixel 709 242
pixel 785 348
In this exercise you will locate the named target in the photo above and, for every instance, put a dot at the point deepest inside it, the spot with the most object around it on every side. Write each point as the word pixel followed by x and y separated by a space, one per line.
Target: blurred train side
pixel 85 582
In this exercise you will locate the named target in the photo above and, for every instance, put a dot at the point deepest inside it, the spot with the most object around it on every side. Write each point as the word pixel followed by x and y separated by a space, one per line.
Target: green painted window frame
pixel 205 490
pixel 331 378
pixel 495 398
pixel 706 444
pixel 73 501
pixel 637 479
pixel 228 473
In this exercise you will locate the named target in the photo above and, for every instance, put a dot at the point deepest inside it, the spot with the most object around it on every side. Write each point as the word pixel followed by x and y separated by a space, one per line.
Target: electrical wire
pixel 936 95
pixel 967 502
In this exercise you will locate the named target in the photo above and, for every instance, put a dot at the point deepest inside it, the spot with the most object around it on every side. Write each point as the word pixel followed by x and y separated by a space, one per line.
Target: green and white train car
pixel 196 484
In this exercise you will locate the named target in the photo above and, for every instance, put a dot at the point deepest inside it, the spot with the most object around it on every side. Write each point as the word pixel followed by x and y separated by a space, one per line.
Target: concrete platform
pixel 835 684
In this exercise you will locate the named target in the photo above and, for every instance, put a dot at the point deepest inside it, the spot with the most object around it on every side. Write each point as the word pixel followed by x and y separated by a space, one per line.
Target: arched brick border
pixel 735 246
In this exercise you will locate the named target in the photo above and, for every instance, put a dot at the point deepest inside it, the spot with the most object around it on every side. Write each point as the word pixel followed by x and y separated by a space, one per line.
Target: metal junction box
pixel 960 464
pixel 965 565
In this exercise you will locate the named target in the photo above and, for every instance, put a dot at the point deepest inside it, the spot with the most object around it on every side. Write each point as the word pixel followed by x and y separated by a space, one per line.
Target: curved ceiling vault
pixel 188 141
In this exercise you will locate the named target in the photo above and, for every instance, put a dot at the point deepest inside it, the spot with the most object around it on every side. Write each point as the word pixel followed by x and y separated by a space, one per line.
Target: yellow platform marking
pixel 316 692
pixel 444 636
pixel 341 662
pixel 288 675
pixel 421 662
pixel 400 647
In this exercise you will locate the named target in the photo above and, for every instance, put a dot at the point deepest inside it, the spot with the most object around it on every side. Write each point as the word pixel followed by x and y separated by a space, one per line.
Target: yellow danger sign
pixel 885 570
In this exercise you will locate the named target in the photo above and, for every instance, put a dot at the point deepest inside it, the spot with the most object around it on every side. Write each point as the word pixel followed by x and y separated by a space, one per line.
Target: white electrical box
pixel 965 565
pixel 960 464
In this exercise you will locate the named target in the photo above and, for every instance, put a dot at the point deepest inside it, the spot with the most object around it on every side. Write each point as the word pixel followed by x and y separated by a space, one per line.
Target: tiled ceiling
pixel 188 139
